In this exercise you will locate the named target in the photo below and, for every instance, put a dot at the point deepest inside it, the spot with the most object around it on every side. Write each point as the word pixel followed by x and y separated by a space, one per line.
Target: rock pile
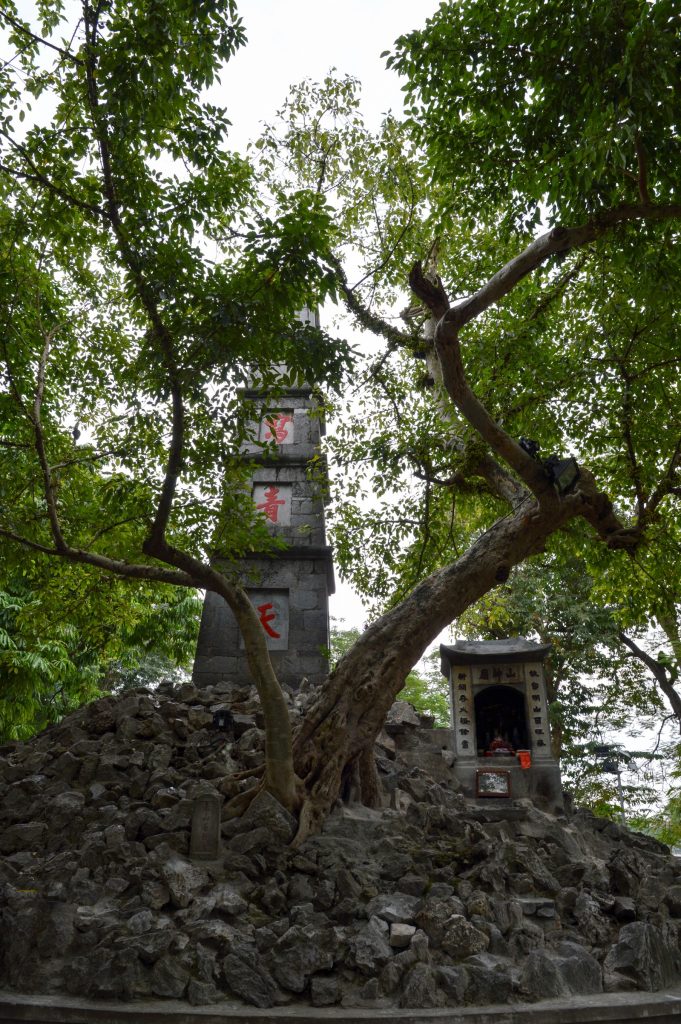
pixel 430 903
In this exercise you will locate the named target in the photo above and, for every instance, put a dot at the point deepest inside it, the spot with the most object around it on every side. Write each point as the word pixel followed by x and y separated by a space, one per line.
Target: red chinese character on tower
pixel 270 505
pixel 277 427
pixel 266 618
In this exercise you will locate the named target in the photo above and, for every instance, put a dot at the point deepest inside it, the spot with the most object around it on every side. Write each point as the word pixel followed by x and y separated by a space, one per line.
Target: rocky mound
pixel 430 903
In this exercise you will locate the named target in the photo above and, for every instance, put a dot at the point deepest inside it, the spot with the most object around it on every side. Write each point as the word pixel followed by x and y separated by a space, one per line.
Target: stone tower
pixel 290 589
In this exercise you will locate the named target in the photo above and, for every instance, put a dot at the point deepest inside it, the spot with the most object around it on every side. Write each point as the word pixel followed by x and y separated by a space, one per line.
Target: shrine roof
pixel 513 649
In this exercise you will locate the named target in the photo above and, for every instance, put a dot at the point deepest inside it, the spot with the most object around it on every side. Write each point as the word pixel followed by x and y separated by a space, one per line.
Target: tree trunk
pixel 350 709
pixel 369 785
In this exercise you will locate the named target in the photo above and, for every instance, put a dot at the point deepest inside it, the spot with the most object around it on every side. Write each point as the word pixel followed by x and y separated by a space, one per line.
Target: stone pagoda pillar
pixel 290 589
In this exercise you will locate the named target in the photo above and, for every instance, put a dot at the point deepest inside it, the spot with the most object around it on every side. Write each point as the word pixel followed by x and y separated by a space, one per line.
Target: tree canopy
pixel 530 201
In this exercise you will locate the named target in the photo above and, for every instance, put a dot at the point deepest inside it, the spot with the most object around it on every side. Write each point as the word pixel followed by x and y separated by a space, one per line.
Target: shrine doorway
pixel 500 712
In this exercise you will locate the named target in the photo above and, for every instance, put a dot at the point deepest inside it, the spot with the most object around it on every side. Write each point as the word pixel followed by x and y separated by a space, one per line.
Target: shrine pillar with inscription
pixel 289 589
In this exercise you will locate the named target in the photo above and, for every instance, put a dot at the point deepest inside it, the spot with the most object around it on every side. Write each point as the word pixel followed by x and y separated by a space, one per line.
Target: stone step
pixel 490 809
pixel 615 1008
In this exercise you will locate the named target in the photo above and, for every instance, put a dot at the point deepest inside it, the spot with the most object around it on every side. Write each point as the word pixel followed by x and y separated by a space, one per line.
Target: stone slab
pixel 616 1008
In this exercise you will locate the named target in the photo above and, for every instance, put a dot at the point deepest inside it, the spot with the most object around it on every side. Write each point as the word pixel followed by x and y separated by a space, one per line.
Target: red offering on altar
pixel 525 758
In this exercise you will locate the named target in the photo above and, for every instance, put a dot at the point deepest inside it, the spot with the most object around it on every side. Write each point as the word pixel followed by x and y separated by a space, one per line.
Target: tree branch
pixel 454 379
pixel 363 315
pixel 144 291
pixel 38 39
pixel 642 161
pixel 35 417
pixel 116 567
pixel 40 179
pixel 451 319
pixel 658 671
pixel 555 242
pixel 667 484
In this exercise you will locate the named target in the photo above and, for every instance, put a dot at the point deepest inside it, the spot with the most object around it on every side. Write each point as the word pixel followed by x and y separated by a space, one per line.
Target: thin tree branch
pixel 555 242
pixel 667 484
pixel 38 39
pixel 40 179
pixel 85 459
pixel 363 315
pixel 642 161
pixel 658 671
pixel 128 570
pixel 35 417
pixel 146 295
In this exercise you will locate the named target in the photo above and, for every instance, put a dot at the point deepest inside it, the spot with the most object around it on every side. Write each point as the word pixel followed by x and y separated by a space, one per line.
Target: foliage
pixel 663 823
pixel 545 104
pixel 582 356
pixel 145 281
pixel 109 200
pixel 66 637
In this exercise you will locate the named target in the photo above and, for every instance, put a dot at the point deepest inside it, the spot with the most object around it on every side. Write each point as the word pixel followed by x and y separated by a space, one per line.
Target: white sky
pixel 289 40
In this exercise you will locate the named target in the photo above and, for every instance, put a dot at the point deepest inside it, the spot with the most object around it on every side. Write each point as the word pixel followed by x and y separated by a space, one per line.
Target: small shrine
pixel 500 733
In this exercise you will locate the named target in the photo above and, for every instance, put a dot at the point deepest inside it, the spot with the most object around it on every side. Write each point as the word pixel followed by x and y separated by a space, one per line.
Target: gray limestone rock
pixel 249 980
pixel 370 946
pixel 395 907
pixel 300 889
pixel 202 993
pixel 434 915
pixel 592 924
pixel 19 837
pixel 95 898
pixel 624 909
pixel 673 900
pixel 255 839
pixel 325 990
pixel 462 939
pixel 152 945
pixel 541 978
pixel 65 806
pixel 401 718
pixel 154 894
pixel 642 954
pixel 300 952
pixel 401 935
pixel 580 971
pixel 228 900
pixel 415 885
pixel 420 946
pixel 526 938
pixel 420 989
pixel 266 812
pixel 453 981
pixel 182 878
pixel 169 978
pixel 488 984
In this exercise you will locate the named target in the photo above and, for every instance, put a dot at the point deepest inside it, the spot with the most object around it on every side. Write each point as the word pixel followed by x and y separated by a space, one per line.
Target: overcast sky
pixel 289 40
